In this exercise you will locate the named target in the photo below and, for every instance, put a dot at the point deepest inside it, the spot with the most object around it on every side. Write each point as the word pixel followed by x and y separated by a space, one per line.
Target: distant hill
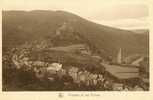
pixel 21 26
pixel 141 31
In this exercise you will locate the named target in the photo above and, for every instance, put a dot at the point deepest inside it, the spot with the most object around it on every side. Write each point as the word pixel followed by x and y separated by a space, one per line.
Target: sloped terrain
pixel 21 26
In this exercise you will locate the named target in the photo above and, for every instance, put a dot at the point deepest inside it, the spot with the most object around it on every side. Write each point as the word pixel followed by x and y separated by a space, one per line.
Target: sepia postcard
pixel 76 49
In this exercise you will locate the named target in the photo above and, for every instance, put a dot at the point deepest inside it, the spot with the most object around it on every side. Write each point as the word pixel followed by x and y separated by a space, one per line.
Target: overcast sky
pixel 125 14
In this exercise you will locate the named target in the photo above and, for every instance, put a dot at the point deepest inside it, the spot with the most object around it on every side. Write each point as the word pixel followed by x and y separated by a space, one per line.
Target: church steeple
pixel 119 56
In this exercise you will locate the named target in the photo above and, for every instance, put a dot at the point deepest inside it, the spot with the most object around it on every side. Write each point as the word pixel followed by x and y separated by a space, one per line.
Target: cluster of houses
pixel 45 69
pixel 72 75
